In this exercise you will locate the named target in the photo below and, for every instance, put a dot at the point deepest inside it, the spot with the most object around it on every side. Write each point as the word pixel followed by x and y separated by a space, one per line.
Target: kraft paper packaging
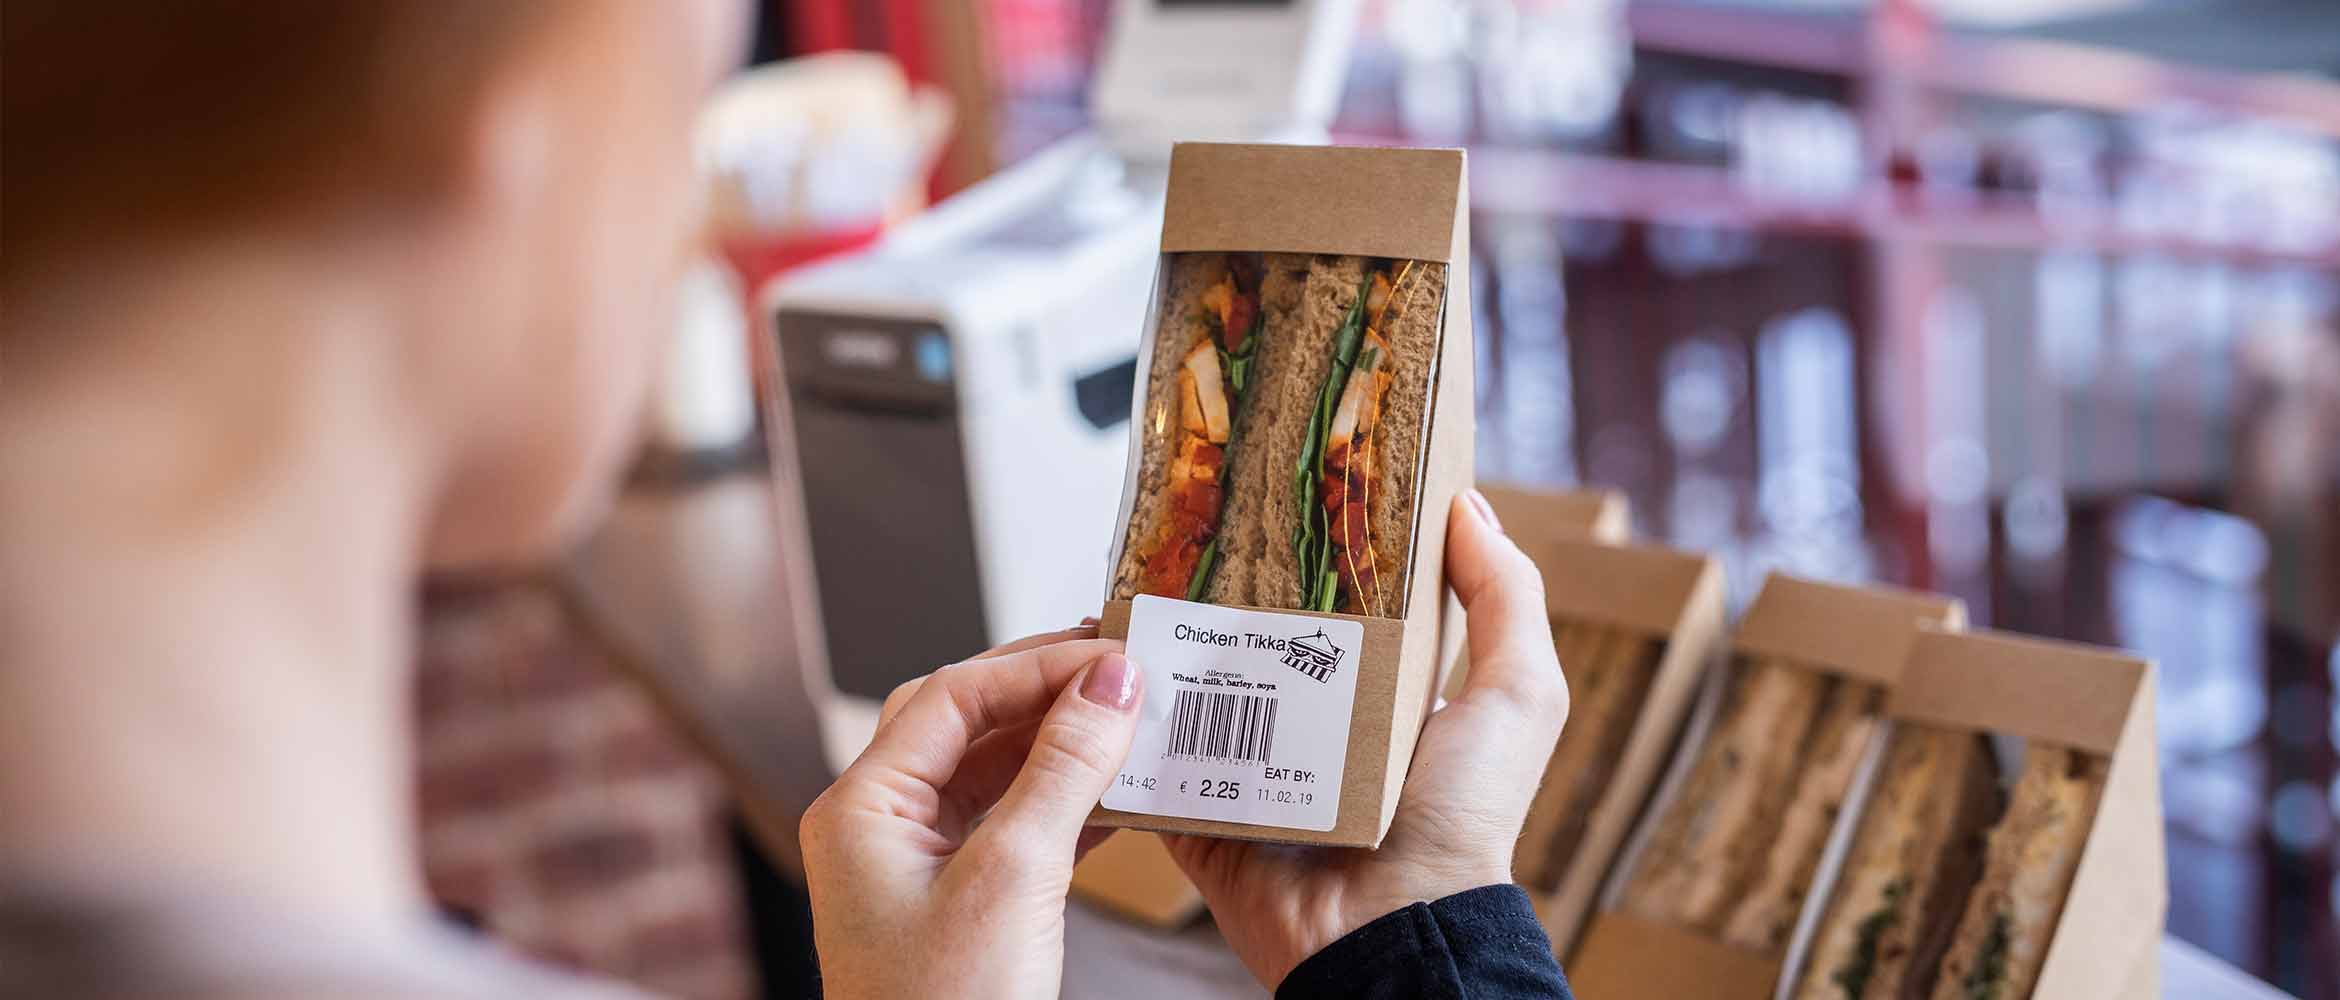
pixel 1132 875
pixel 2018 692
pixel 1655 615
pixel 1848 642
pixel 1400 204
pixel 1532 515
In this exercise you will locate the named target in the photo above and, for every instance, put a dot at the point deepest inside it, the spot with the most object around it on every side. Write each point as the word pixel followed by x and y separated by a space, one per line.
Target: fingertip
pixel 1479 554
pixel 1486 511
pixel 899 697
pixel 1112 682
pixel 1465 532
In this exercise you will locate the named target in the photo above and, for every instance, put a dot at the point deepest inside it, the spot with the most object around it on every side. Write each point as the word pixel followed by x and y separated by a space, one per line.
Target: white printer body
pixel 950 421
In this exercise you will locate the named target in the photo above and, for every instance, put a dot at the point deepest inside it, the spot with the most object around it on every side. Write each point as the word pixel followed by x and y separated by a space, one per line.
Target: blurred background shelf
pixel 1533 181
pixel 1903 40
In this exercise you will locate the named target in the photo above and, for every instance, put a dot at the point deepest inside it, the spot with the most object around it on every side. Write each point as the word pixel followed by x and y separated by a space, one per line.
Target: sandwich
pixel 1214 315
pixel 1609 673
pixel 1295 487
pixel 2034 851
pixel 1763 918
pixel 1739 844
pixel 1918 849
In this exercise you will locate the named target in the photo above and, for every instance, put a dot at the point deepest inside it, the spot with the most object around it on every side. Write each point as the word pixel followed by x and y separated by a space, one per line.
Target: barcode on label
pixel 1214 725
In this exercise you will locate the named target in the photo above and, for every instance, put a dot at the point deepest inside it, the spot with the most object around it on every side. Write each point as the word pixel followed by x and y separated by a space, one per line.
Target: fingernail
pixel 1485 509
pixel 1087 622
pixel 1112 682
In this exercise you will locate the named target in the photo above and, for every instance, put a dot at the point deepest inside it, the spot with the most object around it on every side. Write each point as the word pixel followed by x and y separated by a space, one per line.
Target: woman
pixel 307 299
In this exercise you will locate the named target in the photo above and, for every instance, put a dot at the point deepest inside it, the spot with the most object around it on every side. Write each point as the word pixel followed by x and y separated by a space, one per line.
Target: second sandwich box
pixel 2010 846
pixel 1710 892
pixel 1300 430
pixel 1636 627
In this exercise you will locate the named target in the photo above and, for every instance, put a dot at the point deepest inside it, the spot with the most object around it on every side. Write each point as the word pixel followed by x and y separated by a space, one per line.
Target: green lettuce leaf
pixel 1312 537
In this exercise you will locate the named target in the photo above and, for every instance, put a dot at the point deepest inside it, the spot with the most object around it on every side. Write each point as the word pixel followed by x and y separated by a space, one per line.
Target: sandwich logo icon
pixel 1314 655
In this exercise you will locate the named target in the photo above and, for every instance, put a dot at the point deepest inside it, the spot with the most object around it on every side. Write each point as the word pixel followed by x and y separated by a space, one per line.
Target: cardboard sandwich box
pixel 2041 873
pixel 1708 894
pixel 1301 425
pixel 1133 876
pixel 1637 627
pixel 1533 515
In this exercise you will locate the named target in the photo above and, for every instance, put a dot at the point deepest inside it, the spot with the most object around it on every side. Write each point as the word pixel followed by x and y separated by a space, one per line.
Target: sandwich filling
pixel 1180 555
pixel 1334 544
pixel 1988 978
pixel 1854 974
pixel 1905 881
pixel 1286 413
pixel 2034 851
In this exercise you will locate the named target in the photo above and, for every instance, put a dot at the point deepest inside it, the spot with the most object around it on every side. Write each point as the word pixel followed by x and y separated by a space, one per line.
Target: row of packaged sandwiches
pixel 1939 872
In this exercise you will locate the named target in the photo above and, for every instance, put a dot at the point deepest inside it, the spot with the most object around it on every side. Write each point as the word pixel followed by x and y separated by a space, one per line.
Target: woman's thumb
pixel 1076 753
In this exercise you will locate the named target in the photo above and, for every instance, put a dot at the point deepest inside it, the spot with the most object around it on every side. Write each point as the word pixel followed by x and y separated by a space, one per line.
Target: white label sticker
pixel 1246 715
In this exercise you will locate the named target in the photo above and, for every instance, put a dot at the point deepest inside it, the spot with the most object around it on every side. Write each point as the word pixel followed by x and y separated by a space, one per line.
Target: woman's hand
pixel 1474 773
pixel 911 897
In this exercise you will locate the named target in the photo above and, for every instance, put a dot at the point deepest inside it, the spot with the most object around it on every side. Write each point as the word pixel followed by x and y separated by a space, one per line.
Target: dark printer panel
pixel 884 481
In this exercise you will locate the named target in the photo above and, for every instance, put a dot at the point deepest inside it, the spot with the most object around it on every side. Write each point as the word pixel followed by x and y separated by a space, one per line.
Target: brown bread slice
pixel 1708 842
pixel 1917 850
pixel 1256 552
pixel 1765 916
pixel 2034 851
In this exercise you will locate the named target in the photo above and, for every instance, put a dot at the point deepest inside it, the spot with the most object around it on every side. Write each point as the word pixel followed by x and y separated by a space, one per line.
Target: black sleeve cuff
pixel 1481 944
